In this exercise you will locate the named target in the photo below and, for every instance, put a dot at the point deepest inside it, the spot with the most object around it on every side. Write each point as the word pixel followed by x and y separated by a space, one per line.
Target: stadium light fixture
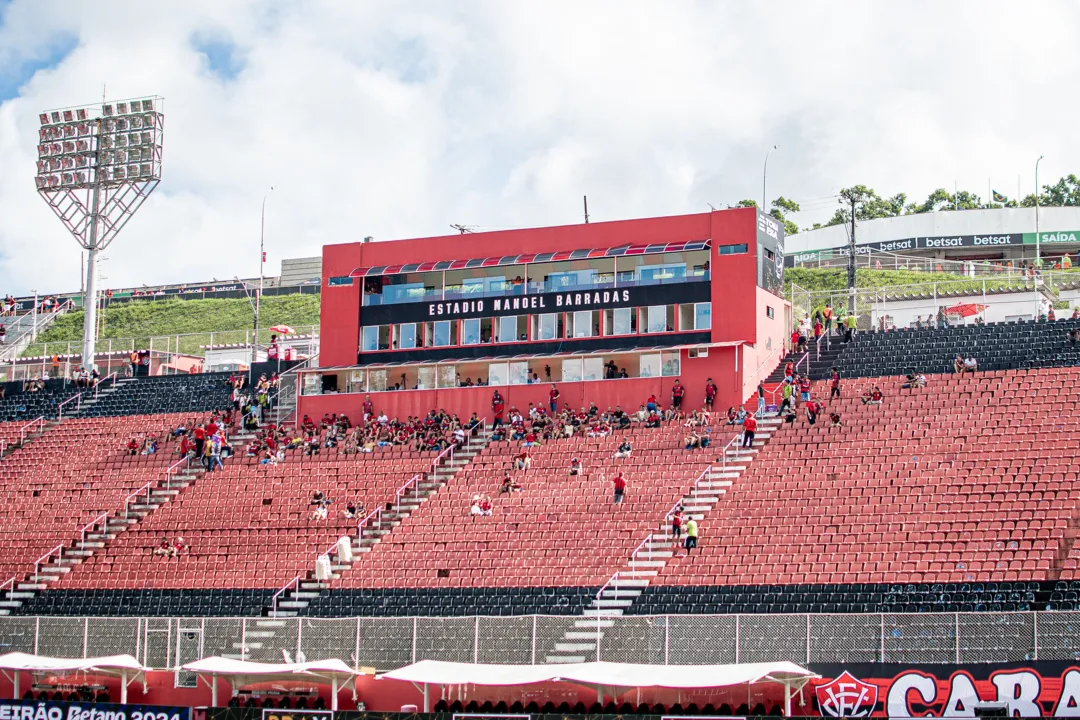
pixel 97 165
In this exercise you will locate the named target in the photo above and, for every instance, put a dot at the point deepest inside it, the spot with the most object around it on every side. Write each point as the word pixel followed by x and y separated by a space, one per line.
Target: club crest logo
pixel 847 696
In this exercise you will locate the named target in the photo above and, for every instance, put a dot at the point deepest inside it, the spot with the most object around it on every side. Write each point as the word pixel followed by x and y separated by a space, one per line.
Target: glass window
pixel 406 336
pixel 498 374
pixel 670 363
pixel 656 319
pixel 703 316
pixel 377 380
pixel 371 338
pixel 519 373
pixel 312 384
pixel 583 323
pixel 731 249
pixel 357 382
pixel 508 329
pixel 447 375
pixel 686 317
pixel 471 332
pixel 620 321
pixel 425 377
pixel 769 312
pixel 650 365
pixel 571 370
pixel 593 368
pixel 545 327
pixel 442 333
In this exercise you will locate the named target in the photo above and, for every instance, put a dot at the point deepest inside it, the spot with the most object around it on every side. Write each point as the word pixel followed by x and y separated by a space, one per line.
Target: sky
pixel 395 119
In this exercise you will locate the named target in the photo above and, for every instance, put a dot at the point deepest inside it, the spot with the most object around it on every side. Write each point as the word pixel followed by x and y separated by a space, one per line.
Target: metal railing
pixel 9 584
pixel 387 643
pixel 25 429
pixel 76 398
pixel 58 551
pixel 276 598
pixel 102 520
pixel 111 377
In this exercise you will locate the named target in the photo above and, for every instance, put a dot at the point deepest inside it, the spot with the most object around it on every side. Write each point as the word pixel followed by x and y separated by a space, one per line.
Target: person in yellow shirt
pixel 691 535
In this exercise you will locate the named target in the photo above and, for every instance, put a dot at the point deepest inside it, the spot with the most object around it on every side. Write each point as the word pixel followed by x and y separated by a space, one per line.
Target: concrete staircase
pixel 96 536
pixel 654 552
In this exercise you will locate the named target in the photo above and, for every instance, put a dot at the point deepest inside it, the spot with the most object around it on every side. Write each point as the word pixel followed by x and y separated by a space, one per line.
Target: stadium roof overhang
pixel 125 667
pixel 616 678
pixel 239 673
pixel 530 258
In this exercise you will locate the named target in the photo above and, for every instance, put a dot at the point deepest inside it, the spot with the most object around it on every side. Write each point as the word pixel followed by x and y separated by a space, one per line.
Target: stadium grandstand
pixel 561 459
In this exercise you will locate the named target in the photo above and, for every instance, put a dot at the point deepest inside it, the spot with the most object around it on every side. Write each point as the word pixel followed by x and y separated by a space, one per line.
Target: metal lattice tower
pixel 96 166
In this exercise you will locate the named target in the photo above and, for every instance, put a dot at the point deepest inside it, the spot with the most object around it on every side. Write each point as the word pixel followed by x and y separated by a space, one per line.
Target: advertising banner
pixel 1054 238
pixel 874 690
pixel 268 714
pixel 50 710
pixel 948 242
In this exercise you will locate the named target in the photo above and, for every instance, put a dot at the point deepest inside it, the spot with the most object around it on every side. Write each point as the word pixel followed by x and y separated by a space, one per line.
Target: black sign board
pixel 507 305
pixel 50 710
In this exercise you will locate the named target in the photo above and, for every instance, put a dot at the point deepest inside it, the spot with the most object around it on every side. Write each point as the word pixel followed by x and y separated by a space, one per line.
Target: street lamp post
pixel 1038 257
pixel 764 178
pixel 262 262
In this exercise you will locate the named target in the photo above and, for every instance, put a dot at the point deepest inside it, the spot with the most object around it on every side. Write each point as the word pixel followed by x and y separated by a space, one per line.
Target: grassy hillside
pixel 828 279
pixel 193 320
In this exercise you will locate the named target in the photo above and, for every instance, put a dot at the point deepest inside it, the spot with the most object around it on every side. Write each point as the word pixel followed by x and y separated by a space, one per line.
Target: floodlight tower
pixel 97 165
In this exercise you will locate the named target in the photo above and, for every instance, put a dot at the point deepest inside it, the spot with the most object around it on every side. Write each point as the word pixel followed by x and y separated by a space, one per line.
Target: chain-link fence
pixel 387 643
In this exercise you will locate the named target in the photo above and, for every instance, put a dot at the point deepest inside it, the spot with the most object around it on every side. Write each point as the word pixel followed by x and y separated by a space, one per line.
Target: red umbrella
pixel 282 330
pixel 965 309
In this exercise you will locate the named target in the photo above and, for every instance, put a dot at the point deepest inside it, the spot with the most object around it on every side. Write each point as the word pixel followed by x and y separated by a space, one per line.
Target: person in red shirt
pixel 650 404
pixel 200 440
pixel 812 410
pixel 710 393
pixel 749 428
pixel 818 329
pixel 369 407
pixel 620 487
pixel 575 466
pixel 523 462
pixel 677 392
pixel 553 399
pixel 676 526
pixel 834 392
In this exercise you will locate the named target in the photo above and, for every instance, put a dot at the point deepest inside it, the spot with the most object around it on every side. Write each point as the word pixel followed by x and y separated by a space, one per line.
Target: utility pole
pixel 853 196
pixel 585 199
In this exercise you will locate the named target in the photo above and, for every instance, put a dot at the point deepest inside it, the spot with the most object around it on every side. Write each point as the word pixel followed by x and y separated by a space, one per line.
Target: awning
pixel 965 309
pixel 239 673
pixel 125 667
pixel 652 249
pixel 616 677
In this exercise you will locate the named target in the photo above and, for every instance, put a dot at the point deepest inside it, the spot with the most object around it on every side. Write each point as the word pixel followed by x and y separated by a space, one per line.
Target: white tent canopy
pixel 239 673
pixel 615 676
pixel 125 667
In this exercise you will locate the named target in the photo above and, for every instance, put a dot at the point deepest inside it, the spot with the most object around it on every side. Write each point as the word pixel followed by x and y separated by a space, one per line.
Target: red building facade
pixel 610 312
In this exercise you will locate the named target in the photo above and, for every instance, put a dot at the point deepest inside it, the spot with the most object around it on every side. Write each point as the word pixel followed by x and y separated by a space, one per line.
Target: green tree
pixel 780 207
pixel 746 203
pixel 868 205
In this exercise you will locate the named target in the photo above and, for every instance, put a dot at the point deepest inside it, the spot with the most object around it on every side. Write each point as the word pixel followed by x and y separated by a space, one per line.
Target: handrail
pixel 74 398
pixel 9 583
pixel 58 550
pixel 111 376
pixel 103 518
pixel 129 500
pixel 724 452
pixel 40 420
pixel 274 598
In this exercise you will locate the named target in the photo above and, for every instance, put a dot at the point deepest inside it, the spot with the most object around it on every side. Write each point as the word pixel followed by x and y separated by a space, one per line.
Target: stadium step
pixel 560 659
pixel 594 623
pixel 583 635
pixel 570 647
pixel 594 611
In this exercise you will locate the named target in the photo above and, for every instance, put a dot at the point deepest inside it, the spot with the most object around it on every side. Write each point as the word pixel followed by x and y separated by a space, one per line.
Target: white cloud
pixel 395 119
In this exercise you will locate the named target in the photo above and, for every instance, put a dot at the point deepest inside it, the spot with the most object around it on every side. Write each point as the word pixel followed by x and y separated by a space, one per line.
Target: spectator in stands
pixel 761 399
pixel 804 388
pixel 849 328
pixel 653 420
pixel 732 416
pixel 834 383
pixel 834 418
pixel 576 467
pixel 788 416
pixel 3 334
pixel 693 441
pixel 624 451
pixel 272 349
pixel 133 446
pixel 789 371
pixel 1076 313
pixel 787 391
pixel 913 380
pixel 749 428
pixel 710 393
pixel 676 525
pixel 553 399
pixel 958 364
pixel 970 365
pixel 677 393
pixel 619 483
pixel 509 485
pixel 812 410
pixel 876 396
pixel 651 404
pixel 827 316
pixel 819 330
pixel 353 510
pixel 691 535
pixel 523 461
pixel 481 505
pixel 164 549
pixel 321 503
pixel 1074 336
